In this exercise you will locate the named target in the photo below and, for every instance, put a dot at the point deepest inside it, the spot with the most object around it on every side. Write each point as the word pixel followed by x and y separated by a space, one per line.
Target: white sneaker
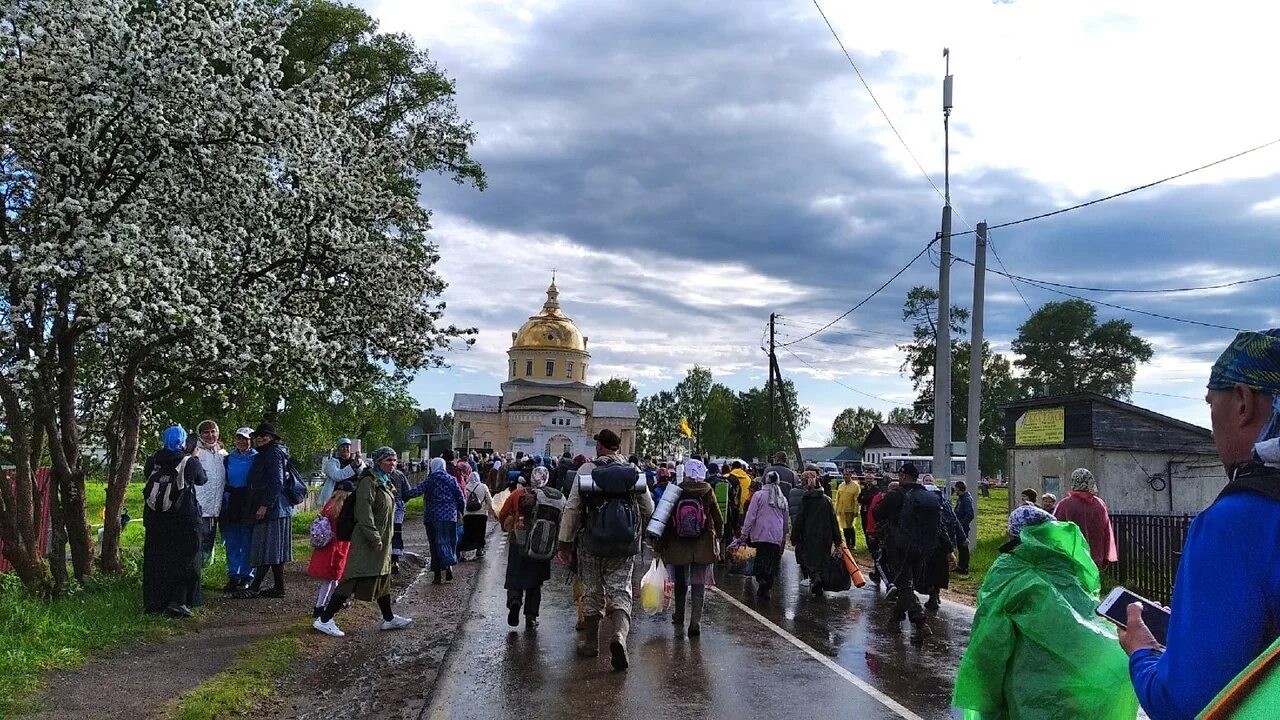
pixel 328 628
pixel 396 622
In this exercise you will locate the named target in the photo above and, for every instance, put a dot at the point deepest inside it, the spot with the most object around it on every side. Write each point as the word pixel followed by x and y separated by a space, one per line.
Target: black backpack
pixel 920 520
pixel 473 502
pixel 294 490
pixel 165 486
pixel 346 519
pixel 612 527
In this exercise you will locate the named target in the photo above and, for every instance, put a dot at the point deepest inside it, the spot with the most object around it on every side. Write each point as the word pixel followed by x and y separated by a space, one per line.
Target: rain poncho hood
pixel 1037 650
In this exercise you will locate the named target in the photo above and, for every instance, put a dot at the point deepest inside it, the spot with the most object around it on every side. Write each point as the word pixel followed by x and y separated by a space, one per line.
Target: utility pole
pixel 773 360
pixel 942 367
pixel 775 373
pixel 972 468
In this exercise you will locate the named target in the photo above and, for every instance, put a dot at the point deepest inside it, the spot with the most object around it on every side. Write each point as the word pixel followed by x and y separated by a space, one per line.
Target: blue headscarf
pixel 175 438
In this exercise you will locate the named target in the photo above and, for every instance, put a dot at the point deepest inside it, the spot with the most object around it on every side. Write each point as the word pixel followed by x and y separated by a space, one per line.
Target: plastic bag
pixel 653 587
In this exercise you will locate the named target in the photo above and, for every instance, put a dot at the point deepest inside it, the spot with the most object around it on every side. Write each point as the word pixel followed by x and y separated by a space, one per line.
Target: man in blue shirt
pixel 1226 600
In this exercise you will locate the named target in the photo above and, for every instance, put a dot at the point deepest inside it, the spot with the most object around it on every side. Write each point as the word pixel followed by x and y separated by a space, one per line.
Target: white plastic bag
pixel 652 586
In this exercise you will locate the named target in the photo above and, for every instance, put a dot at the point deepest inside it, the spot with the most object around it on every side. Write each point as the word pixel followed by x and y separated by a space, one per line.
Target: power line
pixel 991 246
pixel 879 107
pixel 1182 397
pixel 836 381
pixel 1110 305
pixel 1142 290
pixel 867 298
pixel 1130 191
pixel 852 331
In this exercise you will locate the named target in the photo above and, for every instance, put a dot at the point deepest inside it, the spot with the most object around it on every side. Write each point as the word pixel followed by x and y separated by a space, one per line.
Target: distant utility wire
pixel 879 107
pixel 846 387
pixel 991 246
pixel 867 299
pixel 1181 397
pixel 1107 304
pixel 1144 290
pixel 1130 191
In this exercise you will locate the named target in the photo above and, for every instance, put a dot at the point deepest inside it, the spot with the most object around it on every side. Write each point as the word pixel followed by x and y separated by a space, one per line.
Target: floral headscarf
pixel 1024 516
pixel 1083 480
pixel 539 477
pixel 777 498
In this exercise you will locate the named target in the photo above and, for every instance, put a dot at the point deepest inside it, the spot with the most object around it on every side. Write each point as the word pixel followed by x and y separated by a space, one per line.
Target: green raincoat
pixel 1037 651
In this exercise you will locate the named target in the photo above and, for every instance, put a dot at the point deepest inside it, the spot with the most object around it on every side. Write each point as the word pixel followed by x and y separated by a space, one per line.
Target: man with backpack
pixel 913 516
pixel 605 523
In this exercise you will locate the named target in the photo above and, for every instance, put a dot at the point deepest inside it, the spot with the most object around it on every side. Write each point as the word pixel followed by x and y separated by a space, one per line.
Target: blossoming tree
pixel 187 204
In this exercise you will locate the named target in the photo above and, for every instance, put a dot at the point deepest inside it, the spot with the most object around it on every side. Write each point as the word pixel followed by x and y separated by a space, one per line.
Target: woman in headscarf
pixel 1036 649
pixel 525 576
pixel 475 521
pixel 765 529
pixel 367 575
pixel 1084 508
pixel 442 505
pixel 816 532
pixel 171 546
pixel 271 544
pixel 689 557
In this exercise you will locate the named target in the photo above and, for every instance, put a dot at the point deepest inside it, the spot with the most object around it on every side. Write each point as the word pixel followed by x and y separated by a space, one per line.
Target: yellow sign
pixel 1040 427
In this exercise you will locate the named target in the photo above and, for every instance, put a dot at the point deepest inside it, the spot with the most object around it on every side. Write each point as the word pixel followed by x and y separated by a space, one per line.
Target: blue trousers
pixel 236 537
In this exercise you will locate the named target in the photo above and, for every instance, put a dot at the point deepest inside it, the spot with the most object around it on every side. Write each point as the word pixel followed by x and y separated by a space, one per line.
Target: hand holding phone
pixel 1115 608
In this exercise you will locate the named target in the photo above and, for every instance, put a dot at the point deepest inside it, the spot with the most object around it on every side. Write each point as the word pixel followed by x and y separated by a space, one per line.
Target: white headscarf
pixel 437 464
pixel 776 497
pixel 473 481
pixel 539 477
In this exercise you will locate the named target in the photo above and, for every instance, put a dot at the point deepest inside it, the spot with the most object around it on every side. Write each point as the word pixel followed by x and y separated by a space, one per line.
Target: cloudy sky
pixel 689 168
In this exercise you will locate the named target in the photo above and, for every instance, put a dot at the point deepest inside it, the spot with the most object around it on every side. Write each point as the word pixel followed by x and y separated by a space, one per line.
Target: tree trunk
pixel 120 471
pixel 71 471
pixel 58 547
pixel 20 499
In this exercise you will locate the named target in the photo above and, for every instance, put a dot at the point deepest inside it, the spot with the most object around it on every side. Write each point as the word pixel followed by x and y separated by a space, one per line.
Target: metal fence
pixel 1150 547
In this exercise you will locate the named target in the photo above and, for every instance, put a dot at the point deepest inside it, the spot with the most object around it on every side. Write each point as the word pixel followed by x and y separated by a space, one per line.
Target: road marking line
pixel 832 665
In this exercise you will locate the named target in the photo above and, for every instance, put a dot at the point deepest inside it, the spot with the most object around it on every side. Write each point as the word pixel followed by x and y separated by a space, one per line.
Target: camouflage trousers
pixel 607 583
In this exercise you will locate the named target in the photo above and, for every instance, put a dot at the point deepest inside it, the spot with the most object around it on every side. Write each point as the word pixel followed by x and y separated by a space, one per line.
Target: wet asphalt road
pixel 738 668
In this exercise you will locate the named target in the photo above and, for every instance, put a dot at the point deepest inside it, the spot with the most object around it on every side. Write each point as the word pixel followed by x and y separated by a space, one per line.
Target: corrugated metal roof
pixel 899 436
pixel 616 410
pixel 476 403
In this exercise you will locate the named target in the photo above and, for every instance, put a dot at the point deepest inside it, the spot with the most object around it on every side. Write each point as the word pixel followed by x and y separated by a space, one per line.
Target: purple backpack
pixel 691 518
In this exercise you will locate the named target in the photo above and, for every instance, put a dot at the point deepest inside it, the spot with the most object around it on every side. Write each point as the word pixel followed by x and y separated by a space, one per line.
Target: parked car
pixel 829 469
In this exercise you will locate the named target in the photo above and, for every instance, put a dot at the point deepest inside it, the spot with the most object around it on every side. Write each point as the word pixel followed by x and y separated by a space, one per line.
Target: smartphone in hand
pixel 1115 608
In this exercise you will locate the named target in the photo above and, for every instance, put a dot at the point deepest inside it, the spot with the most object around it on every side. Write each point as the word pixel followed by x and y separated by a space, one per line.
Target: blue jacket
pixel 1226 607
pixel 964 511
pixel 266 481
pixel 238 467
pixel 441 498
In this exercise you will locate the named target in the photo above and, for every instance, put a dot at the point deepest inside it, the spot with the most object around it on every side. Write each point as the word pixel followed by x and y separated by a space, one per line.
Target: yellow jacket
pixel 847 498
pixel 744 486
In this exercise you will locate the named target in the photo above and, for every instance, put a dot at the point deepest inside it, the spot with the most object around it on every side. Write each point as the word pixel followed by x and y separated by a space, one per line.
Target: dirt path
pixel 388 674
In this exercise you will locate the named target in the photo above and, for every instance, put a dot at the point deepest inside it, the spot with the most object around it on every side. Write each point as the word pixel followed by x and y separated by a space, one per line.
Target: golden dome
pixel 549 330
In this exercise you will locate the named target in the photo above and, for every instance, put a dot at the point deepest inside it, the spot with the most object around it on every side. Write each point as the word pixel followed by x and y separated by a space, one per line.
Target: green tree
pixel 719 430
pixel 752 420
pixel 901 416
pixel 1064 350
pixel 616 389
pixel 999 387
pixel 657 429
pixel 691 398
pixel 852 425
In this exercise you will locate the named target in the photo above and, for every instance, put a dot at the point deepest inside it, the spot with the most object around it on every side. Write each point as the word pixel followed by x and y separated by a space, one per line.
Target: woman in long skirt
pixel 171 546
pixel 441 507
pixel 475 520
pixel 271 544
pixel 367 575
pixel 525 576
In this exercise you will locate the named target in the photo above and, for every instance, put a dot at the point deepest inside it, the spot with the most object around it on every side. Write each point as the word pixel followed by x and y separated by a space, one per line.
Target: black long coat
pixel 816 531
pixel 171 545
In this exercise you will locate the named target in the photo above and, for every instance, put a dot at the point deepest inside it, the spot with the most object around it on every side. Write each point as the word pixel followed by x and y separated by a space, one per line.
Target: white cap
pixel 245 432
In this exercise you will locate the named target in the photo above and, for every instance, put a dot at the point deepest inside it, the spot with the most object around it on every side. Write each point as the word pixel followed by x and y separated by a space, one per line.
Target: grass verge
pixel 38 636
pixel 250 679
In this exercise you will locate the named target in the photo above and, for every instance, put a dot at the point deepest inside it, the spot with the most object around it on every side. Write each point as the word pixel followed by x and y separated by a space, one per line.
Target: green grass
pixel 236 690
pixel 38 636
pixel 95 501
pixel 993 523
